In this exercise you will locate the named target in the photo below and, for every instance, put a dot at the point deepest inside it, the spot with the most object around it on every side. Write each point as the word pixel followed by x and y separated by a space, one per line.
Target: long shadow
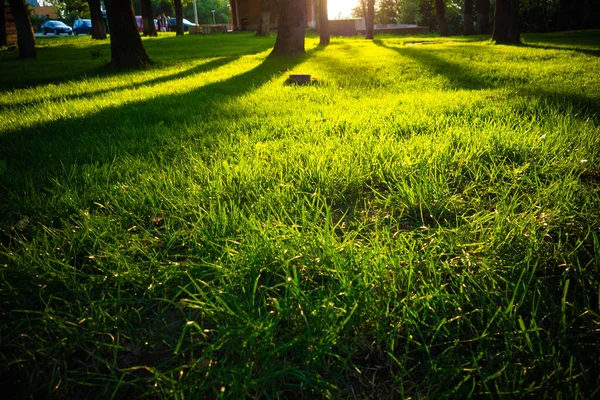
pixel 68 62
pixel 460 76
pixel 42 149
pixel 588 52
pixel 204 67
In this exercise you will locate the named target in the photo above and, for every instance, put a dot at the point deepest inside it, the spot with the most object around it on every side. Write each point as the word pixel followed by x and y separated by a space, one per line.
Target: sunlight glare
pixel 341 8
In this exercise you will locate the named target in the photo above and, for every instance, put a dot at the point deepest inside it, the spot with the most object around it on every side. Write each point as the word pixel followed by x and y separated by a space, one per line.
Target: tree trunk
pixel 440 15
pixel 148 19
pixel 323 23
pixel 292 27
pixel 98 28
pixel 483 16
pixel 468 28
pixel 545 14
pixel 3 38
pixel 506 22
pixel 126 47
pixel 264 24
pixel 178 18
pixel 25 39
pixel 370 20
pixel 264 20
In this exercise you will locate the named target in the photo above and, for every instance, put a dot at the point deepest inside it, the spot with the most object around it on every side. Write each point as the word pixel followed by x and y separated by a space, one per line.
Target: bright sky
pixel 341 6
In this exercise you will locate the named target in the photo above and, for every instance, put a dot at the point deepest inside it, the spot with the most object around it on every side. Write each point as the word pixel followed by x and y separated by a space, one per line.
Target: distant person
pixel 165 23
pixel 159 24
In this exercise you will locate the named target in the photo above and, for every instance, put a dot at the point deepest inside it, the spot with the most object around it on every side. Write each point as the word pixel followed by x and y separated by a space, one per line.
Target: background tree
pixel 264 20
pixel 179 30
pixel 323 23
pixel 440 15
pixel 149 28
pixel 25 39
pixel 408 11
pixel 427 14
pixel 370 20
pixel 468 18
pixel 386 12
pixel 126 47
pixel 360 11
pixel 3 38
pixel 483 16
pixel 98 28
pixel 506 22
pixel 292 27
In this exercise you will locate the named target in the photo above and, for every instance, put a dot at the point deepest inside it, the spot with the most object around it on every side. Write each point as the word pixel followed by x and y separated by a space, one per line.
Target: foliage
pixel 408 11
pixel 386 12
pixel 70 10
pixel 421 221
pixel 204 7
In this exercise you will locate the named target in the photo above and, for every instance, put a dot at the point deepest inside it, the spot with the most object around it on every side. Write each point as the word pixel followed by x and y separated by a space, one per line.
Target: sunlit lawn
pixel 421 221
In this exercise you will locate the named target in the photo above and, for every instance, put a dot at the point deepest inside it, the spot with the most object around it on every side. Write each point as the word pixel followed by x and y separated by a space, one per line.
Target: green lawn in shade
pixel 421 221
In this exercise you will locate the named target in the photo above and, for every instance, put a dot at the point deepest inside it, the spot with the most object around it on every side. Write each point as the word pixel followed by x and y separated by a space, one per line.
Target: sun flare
pixel 341 8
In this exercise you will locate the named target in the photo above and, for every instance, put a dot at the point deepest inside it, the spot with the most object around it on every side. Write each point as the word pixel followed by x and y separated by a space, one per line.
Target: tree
pixel 3 37
pixel 264 20
pixel 126 47
pixel 407 11
pixel 25 39
pixel 468 18
pixel 178 17
pixel 483 16
pixel 292 27
pixel 440 15
pixel 98 28
pixel 506 22
pixel 323 23
pixel 386 12
pixel 71 9
pixel 370 20
pixel 148 18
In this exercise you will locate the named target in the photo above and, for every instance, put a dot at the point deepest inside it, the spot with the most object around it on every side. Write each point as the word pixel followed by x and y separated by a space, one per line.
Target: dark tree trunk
pixel 25 39
pixel 292 27
pixel 148 19
pixel 440 15
pixel 545 14
pixel 264 20
pixel 370 20
pixel 468 28
pixel 483 16
pixel 178 18
pixel 571 14
pixel 264 24
pixel 126 47
pixel 3 38
pixel 323 23
pixel 506 22
pixel 98 28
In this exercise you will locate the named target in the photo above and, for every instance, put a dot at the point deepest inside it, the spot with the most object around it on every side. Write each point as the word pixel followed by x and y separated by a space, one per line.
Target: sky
pixel 341 6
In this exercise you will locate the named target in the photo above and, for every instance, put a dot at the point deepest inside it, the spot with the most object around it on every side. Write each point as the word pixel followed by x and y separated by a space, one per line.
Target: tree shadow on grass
pixel 461 77
pixel 198 69
pixel 43 150
pixel 588 52
pixel 72 62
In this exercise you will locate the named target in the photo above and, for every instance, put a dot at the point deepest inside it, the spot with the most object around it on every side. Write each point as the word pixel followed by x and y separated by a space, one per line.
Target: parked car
pixel 140 23
pixel 82 26
pixel 173 23
pixel 56 27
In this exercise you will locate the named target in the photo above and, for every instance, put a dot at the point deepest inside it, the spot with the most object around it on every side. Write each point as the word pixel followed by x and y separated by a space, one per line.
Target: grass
pixel 420 222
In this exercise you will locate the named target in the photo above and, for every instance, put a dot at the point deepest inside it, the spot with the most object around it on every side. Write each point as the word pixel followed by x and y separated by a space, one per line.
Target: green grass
pixel 422 221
